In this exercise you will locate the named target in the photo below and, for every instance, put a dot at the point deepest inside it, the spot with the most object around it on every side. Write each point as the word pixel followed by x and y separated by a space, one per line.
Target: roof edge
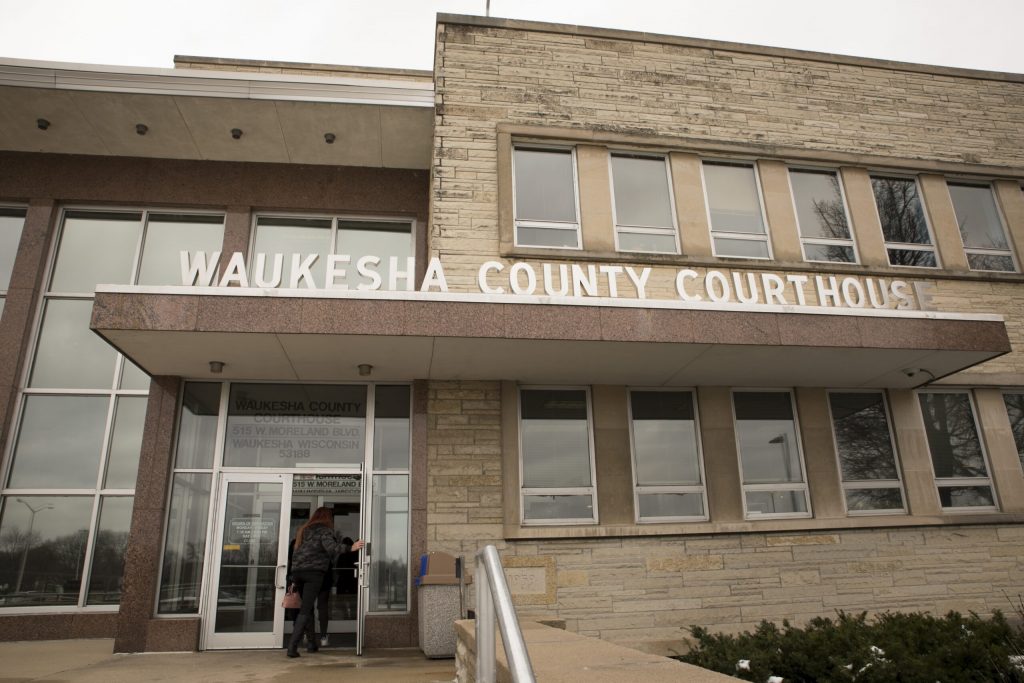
pixel 309 66
pixel 809 55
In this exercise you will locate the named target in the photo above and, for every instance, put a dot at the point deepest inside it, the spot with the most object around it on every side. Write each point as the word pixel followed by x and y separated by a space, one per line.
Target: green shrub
pixel 890 648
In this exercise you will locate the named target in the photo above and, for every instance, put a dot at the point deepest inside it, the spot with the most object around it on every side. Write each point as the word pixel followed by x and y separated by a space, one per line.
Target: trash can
pixel 440 603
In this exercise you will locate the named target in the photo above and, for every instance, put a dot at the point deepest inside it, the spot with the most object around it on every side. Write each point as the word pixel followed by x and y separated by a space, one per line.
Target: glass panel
pixel 978 217
pixel 248 558
pixel 69 355
pixel 732 198
pixel 374 239
pixel 775 502
pixel 1015 411
pixel 197 426
pixel 990 262
pixel 912 257
pixel 289 236
pixel 133 378
pixel 555 438
pixel 862 436
pixel 558 507
pixel 653 505
pixel 182 577
pixel 126 442
pixel 42 549
pixel 664 438
pixel 639 241
pixel 741 248
pixel 966 496
pixel 167 236
pixel 96 248
pixel 863 500
pixel 544 185
pixel 2 302
pixel 60 442
pixel 767 437
pixel 547 237
pixel 11 224
pixel 952 435
pixel 391 428
pixel 105 579
pixel 641 192
pixel 828 252
pixel 900 211
pixel 819 204
pixel 389 563
pixel 295 425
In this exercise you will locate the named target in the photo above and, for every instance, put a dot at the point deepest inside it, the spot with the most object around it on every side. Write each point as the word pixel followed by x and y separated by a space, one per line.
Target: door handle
pixel 277 575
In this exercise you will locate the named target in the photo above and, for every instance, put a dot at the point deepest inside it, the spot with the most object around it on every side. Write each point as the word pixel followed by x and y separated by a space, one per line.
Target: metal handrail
pixel 494 603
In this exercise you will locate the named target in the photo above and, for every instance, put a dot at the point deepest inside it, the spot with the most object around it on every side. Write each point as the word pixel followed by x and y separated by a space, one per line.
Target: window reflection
pixel 981 227
pixel 182 575
pixel 773 476
pixel 197 426
pixel 957 456
pixel 69 355
pixel 105 576
pixel 391 439
pixel 864 443
pixel 389 563
pixel 56 431
pixel 1015 411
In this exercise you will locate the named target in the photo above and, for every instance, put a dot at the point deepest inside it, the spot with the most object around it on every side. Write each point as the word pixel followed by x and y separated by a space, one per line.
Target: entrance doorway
pixel 258 516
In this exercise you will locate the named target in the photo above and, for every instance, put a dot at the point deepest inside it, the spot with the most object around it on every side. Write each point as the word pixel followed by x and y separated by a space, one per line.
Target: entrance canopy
pixel 326 336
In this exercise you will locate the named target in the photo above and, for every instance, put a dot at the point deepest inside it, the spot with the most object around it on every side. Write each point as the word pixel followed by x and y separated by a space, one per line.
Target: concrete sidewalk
pixel 92 660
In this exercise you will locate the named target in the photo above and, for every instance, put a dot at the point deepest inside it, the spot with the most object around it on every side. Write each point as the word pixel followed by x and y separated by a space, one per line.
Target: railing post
pixel 486 664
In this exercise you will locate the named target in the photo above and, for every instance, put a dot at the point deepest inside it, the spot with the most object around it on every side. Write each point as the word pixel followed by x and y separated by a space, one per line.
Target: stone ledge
pixel 560 656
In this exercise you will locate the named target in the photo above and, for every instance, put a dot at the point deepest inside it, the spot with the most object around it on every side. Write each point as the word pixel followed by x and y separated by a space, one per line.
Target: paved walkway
pixel 92 660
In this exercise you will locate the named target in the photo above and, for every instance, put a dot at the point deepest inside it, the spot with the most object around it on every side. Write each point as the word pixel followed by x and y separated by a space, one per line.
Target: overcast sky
pixel 983 34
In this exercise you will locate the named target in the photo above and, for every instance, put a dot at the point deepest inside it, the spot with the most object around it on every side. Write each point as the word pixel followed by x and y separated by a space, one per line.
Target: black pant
pixel 307 583
pixel 323 605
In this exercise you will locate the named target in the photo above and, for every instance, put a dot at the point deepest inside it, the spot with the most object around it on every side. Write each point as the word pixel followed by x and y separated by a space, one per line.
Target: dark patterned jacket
pixel 318 550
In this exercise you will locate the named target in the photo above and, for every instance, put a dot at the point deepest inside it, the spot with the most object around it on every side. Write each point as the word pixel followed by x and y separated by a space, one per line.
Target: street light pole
pixel 28 539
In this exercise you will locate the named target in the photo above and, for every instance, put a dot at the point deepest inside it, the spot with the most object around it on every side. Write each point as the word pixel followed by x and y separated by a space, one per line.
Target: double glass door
pixel 258 515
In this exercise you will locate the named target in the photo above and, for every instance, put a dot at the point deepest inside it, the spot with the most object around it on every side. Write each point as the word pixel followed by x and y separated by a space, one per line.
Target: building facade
pixel 694 332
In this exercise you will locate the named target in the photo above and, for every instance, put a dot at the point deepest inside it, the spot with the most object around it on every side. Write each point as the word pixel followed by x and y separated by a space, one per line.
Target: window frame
pixel 639 489
pixel 851 242
pixel 547 225
pixel 1010 250
pixel 750 237
pixel 803 485
pixel 906 246
pixel 966 482
pixel 644 229
pixel 561 491
pixel 870 483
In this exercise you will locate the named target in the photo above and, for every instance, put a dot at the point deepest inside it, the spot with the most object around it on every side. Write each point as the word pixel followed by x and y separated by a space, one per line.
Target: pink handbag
pixel 291 600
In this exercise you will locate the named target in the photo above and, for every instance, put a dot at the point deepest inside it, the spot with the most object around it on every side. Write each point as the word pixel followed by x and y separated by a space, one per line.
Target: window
pixel 821 216
pixel 545 204
pixel 958 456
pixel 68 496
pixel 644 219
pixel 1015 410
pixel 908 239
pixel 867 456
pixel 667 466
pixel 378 252
pixel 770 460
pixel 981 228
pixel 556 457
pixel 11 223
pixel 734 210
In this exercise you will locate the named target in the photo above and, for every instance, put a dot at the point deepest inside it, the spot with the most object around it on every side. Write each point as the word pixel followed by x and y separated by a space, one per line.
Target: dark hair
pixel 324 516
pixel 347 541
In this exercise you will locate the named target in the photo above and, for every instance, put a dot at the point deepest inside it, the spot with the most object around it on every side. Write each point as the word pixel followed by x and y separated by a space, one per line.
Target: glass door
pixel 250 560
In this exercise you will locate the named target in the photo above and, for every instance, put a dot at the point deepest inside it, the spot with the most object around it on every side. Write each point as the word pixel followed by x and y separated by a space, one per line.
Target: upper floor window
pixel 867 456
pixel 908 239
pixel 546 213
pixel 667 467
pixel 644 219
pixel 373 249
pixel 770 459
pixel 556 457
pixel 981 227
pixel 958 457
pixel 11 223
pixel 821 216
pixel 734 210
